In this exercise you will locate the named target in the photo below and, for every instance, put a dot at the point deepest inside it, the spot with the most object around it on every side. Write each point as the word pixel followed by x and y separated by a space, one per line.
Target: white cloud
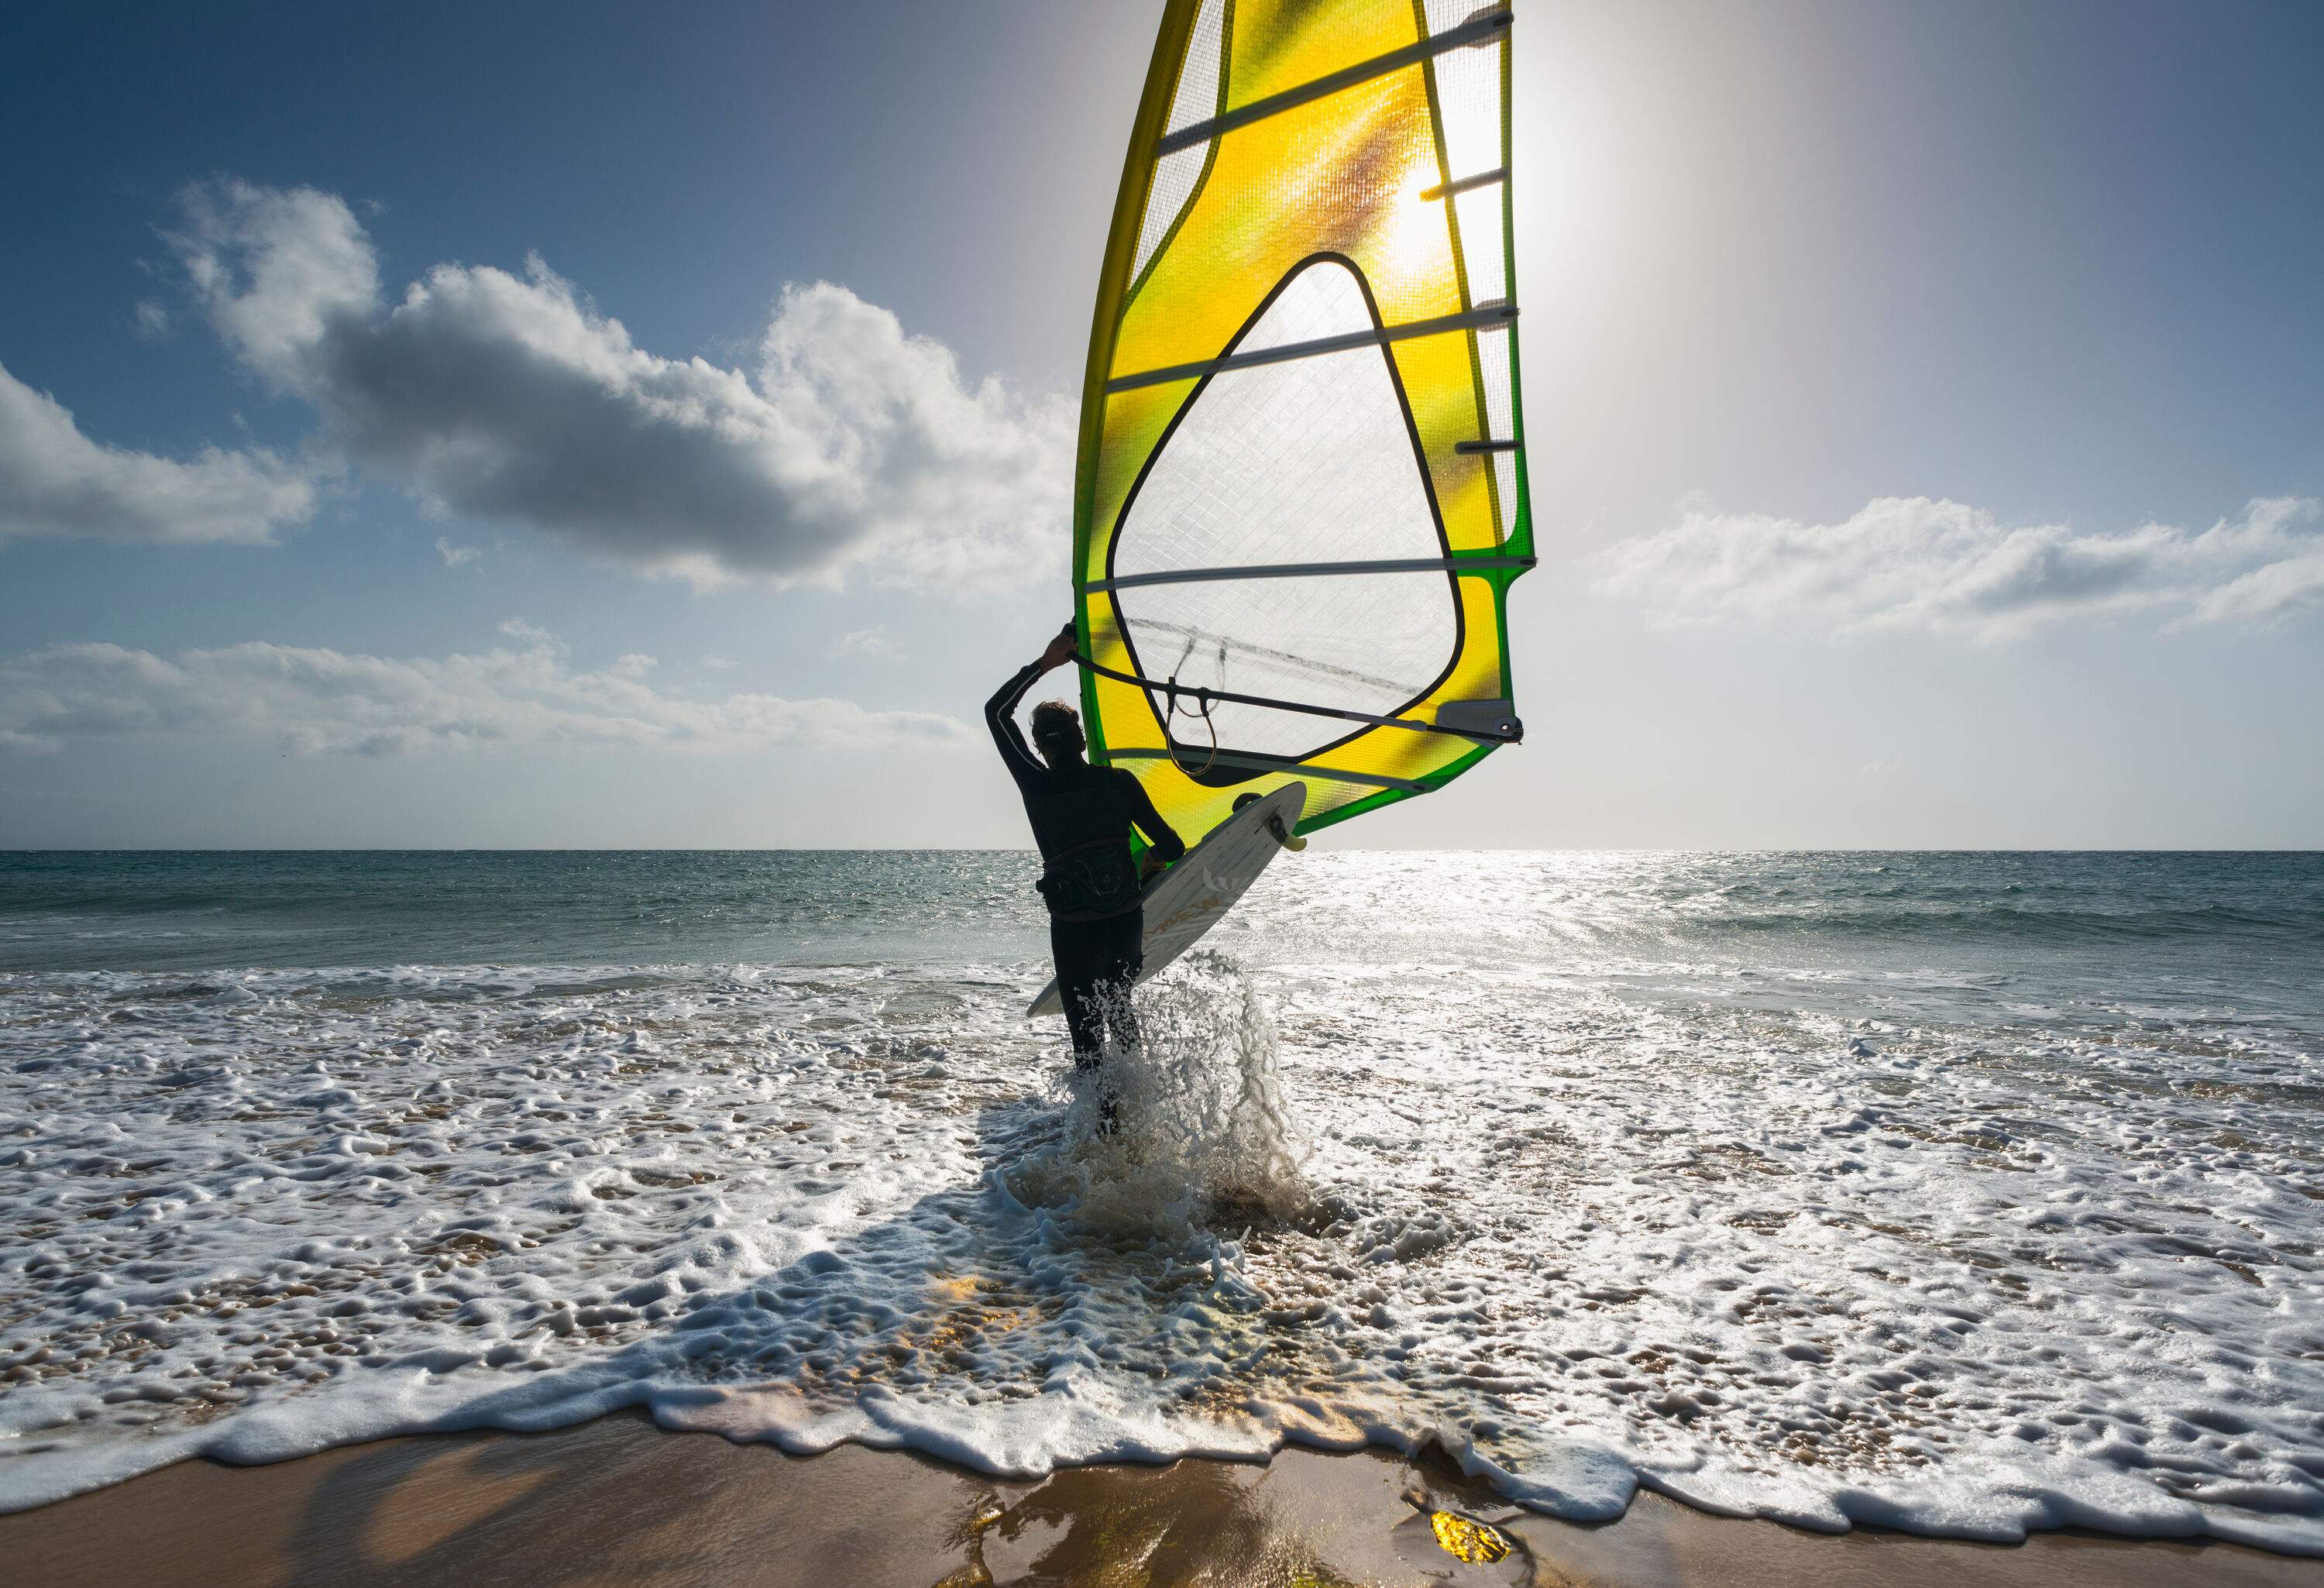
pixel 2276 587
pixel 310 701
pixel 1910 563
pixel 56 480
pixel 456 555
pixel 870 642
pixel 511 397
pixel 533 635
pixel 153 319
pixel 279 272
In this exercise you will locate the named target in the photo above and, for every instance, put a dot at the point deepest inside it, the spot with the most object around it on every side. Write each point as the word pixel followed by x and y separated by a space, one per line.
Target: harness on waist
pixel 1091 881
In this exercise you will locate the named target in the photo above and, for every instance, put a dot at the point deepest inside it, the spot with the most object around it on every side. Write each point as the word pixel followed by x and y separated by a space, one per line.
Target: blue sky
pixel 1926 426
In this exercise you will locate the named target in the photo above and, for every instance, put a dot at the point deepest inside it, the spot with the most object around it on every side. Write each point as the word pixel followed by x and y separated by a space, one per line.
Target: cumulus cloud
pixel 56 480
pixel 1910 563
pixel 511 397
pixel 277 273
pixel 312 701
pixel 455 555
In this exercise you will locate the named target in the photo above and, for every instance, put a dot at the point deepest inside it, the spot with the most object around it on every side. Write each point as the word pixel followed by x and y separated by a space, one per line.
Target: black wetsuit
pixel 1082 816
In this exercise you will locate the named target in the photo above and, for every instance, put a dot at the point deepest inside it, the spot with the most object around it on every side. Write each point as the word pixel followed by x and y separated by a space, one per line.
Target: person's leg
pixel 1079 973
pixel 1125 954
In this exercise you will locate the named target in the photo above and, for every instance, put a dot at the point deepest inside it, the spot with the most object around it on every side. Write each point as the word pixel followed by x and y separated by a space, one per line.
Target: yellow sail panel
pixel 1301 496
pixel 1282 47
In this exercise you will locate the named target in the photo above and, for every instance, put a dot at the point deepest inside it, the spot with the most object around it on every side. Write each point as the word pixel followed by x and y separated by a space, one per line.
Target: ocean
pixel 1960 1193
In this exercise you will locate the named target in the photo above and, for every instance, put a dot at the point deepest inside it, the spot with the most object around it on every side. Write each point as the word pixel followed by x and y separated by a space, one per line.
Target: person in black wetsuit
pixel 1082 816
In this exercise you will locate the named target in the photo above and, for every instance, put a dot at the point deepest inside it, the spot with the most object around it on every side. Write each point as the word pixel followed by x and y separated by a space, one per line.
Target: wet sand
pixel 621 1502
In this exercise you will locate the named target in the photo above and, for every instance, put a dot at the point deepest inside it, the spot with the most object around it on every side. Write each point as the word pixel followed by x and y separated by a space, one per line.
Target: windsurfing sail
pixel 1300 493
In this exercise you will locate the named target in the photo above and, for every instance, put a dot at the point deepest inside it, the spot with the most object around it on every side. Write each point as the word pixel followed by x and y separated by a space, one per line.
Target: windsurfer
pixel 1082 816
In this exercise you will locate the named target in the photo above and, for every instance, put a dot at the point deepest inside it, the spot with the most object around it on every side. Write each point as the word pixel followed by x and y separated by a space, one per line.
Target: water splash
pixel 1207 1145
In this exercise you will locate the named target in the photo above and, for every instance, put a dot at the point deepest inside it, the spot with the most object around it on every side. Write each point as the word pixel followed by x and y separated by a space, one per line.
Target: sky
pixel 586 426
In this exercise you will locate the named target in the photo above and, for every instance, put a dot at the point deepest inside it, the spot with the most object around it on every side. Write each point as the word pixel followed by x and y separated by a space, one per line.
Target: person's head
pixel 1057 730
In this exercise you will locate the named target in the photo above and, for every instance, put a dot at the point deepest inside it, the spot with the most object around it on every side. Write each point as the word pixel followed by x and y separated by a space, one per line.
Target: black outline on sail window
pixel 1220 774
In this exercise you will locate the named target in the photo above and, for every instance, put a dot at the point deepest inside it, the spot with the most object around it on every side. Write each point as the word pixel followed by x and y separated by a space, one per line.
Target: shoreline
pixel 619 1499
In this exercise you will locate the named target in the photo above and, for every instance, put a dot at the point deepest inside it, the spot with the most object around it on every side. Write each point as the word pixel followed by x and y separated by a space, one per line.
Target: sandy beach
pixel 620 1501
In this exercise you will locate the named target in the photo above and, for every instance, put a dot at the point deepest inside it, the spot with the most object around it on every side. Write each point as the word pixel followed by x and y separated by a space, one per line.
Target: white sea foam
pixel 1590 1226
pixel 1205 1140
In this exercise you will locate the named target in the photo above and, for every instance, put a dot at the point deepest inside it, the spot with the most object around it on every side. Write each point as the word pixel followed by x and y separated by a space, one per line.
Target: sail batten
pixel 1294 570
pixel 1301 498
pixel 1276 764
pixel 1458 185
pixel 1484 314
pixel 1204 698
pixel 1473 32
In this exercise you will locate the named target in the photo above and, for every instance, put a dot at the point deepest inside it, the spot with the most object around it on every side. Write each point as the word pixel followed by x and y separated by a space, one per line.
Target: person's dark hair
pixel 1057 730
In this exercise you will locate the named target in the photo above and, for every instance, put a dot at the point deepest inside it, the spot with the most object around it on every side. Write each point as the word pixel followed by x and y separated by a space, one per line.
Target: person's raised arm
pixel 1000 711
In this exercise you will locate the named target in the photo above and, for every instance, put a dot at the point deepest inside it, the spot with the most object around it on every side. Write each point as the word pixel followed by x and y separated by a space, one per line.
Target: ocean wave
pixel 2005 923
